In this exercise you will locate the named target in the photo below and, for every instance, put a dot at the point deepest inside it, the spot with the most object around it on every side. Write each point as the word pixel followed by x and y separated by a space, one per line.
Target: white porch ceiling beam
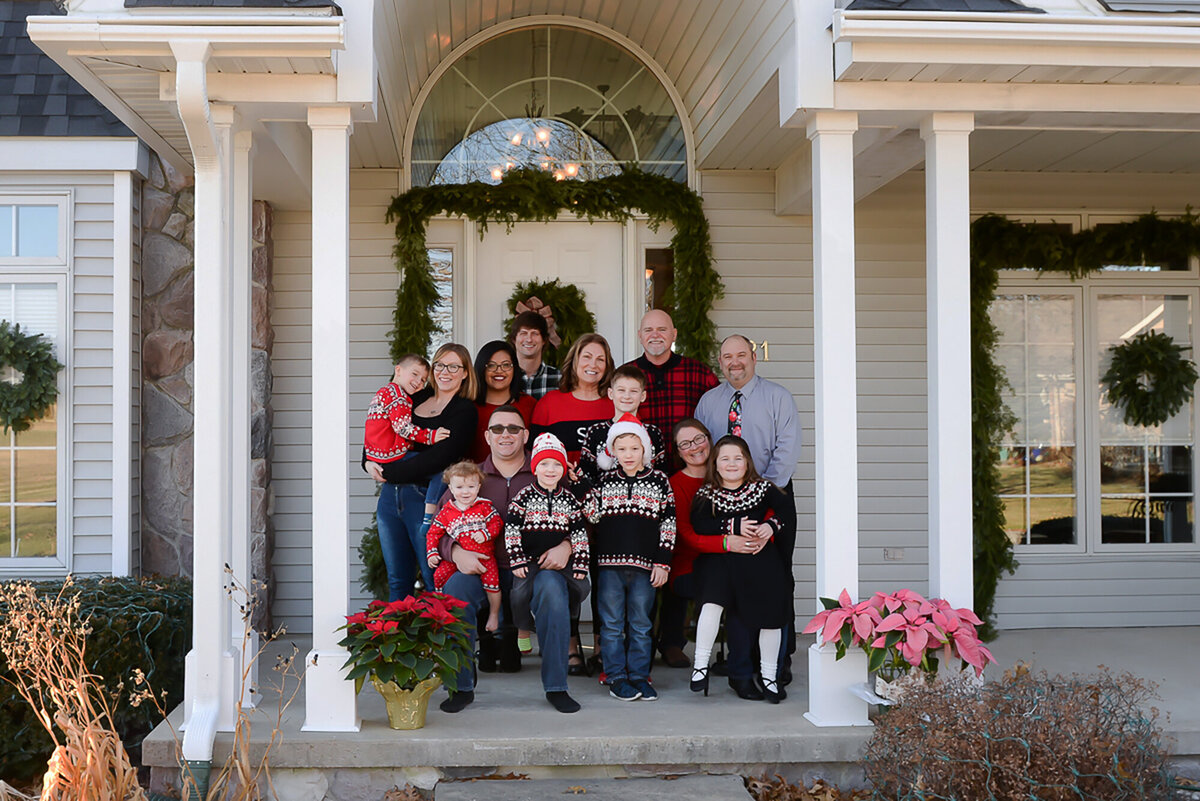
pixel 1010 97
pixel 304 37
pixel 948 353
pixel 225 87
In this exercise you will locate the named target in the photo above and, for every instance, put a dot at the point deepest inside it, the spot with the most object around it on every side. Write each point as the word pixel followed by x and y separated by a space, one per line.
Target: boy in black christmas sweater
pixel 633 509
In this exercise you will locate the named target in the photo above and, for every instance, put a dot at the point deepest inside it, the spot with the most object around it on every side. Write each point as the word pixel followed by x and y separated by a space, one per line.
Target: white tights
pixel 706 634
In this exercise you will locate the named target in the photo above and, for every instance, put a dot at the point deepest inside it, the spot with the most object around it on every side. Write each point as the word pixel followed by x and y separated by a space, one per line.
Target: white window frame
pixel 1087 391
pixel 63 258
pixel 60 563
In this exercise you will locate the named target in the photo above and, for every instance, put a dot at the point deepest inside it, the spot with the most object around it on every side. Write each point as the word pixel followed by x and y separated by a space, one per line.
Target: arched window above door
pixel 550 97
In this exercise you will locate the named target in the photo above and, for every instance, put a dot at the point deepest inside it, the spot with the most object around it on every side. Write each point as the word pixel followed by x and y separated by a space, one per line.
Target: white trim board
pixel 76 154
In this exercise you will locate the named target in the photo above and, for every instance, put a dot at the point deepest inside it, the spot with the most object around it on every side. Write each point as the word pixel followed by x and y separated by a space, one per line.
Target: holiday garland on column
pixel 1001 244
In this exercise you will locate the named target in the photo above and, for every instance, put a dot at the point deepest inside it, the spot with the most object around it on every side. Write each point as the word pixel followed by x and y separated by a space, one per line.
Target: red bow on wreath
pixel 534 304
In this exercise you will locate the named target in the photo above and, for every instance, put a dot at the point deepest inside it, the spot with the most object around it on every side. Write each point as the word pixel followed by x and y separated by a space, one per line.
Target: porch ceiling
pixel 719 54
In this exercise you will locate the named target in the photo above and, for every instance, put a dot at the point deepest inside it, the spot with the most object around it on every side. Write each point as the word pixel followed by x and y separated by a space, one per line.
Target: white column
pixel 242 638
pixel 330 699
pixel 948 314
pixel 210 670
pixel 830 702
pixel 122 371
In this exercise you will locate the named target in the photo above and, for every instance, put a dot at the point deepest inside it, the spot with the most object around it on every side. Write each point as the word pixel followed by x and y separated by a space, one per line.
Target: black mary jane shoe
pixel 746 689
pixel 773 692
pixel 700 683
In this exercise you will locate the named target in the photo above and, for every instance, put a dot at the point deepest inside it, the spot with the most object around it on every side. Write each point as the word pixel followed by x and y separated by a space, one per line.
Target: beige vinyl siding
pixel 87 493
pixel 373 282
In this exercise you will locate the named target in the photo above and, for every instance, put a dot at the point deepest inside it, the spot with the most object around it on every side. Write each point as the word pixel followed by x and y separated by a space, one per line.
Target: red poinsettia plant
pixel 902 630
pixel 408 641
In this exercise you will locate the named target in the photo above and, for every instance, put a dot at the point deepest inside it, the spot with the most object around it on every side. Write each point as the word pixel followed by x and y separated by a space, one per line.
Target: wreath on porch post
pixel 32 357
pixel 1149 378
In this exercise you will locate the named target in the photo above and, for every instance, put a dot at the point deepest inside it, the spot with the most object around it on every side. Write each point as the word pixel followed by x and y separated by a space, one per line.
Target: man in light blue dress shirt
pixel 765 417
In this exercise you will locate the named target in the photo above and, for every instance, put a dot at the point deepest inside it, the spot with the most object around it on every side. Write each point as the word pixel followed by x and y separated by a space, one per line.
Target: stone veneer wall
pixel 168 379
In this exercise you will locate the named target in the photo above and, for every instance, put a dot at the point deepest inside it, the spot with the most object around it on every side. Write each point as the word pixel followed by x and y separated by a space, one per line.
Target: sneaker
pixel 623 690
pixel 647 690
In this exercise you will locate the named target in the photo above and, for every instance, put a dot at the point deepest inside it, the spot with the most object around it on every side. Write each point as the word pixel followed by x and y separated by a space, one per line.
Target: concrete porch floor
pixel 511 727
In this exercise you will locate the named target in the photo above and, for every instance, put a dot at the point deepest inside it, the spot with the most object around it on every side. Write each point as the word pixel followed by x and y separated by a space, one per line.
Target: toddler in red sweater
pixel 474 524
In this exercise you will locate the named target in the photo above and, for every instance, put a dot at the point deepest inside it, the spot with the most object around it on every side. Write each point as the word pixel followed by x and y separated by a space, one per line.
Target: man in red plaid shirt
pixel 674 384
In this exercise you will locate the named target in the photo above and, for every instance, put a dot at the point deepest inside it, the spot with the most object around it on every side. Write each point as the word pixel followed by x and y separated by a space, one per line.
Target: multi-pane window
pixel 1146 481
pixel 29 475
pixel 1036 348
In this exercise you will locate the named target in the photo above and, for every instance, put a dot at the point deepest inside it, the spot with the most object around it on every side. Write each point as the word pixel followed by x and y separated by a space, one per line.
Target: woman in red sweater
pixel 501 382
pixel 581 398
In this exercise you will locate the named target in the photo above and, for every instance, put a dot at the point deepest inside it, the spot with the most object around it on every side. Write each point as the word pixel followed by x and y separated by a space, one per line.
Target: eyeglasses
pixel 691 444
pixel 511 428
pixel 441 367
pixel 498 367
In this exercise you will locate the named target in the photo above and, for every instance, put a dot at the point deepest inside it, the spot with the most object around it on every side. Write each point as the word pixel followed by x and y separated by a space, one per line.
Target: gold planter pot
pixel 406 708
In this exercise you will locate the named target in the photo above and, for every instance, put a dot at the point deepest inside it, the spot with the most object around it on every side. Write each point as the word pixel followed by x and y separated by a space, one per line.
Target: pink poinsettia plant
pixel 408 641
pixel 902 630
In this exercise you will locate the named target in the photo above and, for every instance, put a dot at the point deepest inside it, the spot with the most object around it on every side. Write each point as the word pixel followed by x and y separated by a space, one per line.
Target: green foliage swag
pixel 529 195
pixel 1149 378
pixel 32 356
pixel 144 623
pixel 999 244
pixel 572 319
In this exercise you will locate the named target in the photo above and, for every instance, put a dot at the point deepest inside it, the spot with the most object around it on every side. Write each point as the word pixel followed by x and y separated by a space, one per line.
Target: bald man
pixel 674 383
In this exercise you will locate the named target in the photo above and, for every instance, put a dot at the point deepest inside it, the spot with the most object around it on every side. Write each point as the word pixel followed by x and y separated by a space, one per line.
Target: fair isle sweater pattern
pixel 719 511
pixel 538 520
pixel 461 525
pixel 634 519
pixel 595 442
pixel 389 430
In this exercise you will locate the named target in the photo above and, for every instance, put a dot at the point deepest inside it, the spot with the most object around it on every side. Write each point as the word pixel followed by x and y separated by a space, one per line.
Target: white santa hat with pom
pixel 628 424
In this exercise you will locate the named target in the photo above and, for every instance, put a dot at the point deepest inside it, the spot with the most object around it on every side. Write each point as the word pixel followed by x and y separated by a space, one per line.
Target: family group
pixel 521 490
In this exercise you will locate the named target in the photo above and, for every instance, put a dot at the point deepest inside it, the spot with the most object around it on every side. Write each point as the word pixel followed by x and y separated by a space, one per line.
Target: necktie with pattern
pixel 735 415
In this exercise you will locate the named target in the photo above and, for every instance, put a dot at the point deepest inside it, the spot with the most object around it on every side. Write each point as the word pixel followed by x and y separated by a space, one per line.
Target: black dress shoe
pixel 457 702
pixel 576 666
pixel 746 689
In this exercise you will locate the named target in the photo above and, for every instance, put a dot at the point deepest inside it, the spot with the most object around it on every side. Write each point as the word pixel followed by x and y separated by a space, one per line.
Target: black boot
pixel 488 651
pixel 510 653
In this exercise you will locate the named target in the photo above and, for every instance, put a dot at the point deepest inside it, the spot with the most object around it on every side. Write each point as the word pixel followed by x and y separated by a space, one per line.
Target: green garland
pixel 528 195
pixel 568 306
pixel 33 357
pixel 1149 378
pixel 999 244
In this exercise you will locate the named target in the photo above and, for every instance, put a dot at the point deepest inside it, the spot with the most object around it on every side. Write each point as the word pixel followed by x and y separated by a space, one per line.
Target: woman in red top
pixel 581 398
pixel 501 382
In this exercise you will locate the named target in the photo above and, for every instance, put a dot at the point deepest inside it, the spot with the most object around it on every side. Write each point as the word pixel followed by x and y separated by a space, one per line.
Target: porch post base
pixel 329 699
pixel 231 671
pixel 830 702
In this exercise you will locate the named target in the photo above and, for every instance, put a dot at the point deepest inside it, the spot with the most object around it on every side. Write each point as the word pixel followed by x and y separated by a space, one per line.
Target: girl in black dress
pixel 751 581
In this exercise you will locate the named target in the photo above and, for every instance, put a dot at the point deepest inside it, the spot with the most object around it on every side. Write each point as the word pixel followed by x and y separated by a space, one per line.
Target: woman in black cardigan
pixel 450 404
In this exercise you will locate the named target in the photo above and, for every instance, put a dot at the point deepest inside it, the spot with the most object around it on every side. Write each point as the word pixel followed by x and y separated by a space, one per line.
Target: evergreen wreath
pixel 529 195
pixel 998 243
pixel 1149 378
pixel 32 356
pixel 568 307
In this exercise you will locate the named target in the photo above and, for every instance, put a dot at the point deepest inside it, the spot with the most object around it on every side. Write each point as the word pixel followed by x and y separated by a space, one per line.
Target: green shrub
pixel 144 623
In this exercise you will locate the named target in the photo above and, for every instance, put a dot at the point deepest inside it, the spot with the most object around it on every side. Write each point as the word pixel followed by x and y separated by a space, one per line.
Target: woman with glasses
pixel 501 383
pixel 400 511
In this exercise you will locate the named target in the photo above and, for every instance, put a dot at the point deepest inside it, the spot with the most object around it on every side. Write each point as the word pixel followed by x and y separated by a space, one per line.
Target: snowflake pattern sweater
pixel 634 519
pixel 389 430
pixel 538 520
pixel 595 442
pixel 719 511
pixel 462 525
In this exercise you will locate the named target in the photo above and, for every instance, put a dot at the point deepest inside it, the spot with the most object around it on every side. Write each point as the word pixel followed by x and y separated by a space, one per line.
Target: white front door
pixel 589 255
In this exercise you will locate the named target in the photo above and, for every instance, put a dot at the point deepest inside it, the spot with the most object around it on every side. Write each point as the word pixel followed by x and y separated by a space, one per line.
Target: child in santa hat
pixel 633 509
pixel 549 581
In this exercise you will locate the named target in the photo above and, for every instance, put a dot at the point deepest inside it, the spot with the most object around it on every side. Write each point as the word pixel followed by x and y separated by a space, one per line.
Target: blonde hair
pixel 463 469
pixel 469 388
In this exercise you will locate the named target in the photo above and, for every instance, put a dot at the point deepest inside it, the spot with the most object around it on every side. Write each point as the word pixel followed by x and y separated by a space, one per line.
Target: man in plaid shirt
pixel 674 384
pixel 528 335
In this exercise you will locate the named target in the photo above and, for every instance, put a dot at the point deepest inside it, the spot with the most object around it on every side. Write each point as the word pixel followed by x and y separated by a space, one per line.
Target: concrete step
pixel 692 788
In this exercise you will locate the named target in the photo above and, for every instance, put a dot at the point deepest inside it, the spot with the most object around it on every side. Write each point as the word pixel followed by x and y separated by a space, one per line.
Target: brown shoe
pixel 673 656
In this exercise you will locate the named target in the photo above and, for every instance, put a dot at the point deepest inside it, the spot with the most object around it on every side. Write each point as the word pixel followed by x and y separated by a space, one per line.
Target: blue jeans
pixel 550 596
pixel 626 602
pixel 468 589
pixel 398 514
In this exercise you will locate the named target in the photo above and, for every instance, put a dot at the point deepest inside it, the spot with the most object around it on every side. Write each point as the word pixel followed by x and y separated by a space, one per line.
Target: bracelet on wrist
pixel 725 543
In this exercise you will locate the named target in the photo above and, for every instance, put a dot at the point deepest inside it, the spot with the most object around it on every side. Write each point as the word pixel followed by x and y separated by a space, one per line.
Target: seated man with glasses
pixel 505 473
